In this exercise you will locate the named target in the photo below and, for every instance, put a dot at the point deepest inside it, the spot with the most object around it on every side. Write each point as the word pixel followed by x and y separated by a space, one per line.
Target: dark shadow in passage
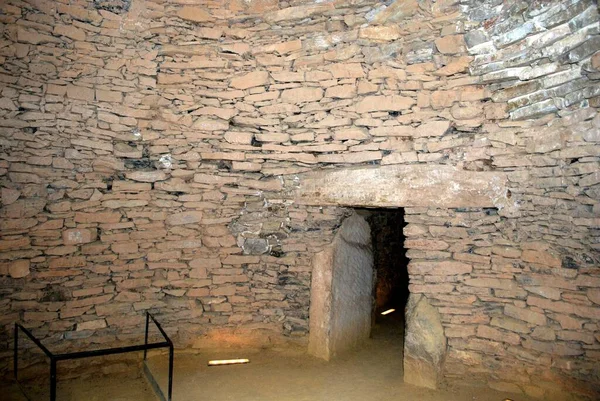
pixel 390 269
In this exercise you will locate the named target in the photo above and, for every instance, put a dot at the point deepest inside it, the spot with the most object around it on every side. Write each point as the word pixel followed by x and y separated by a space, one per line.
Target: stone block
pixel 12 244
pixel 594 295
pixel 439 268
pixel 91 325
pixel 76 236
pixel 147 176
pixel 506 74
pixel 493 111
pixel 124 247
pixel 476 37
pixel 455 66
pixel 459 331
pixel 109 96
pixel 588 48
pixel 543 333
pixel 395 185
pixel 243 138
pixel 301 95
pixel 443 99
pixel 297 12
pixel 380 33
pixel 424 344
pixel 250 80
pixel 210 124
pixel 19 268
pixel 177 219
pixel 541 257
pixel 493 334
pixel 451 44
pixel 70 32
pixel 9 196
pixel 384 103
pixel 80 93
pixel 358 134
pixel 557 349
pixel 510 324
pixel 489 282
pixel 34 37
pixel 194 14
pixel 535 110
pixel 346 70
pixel 393 131
pixel 341 92
pixel 546 292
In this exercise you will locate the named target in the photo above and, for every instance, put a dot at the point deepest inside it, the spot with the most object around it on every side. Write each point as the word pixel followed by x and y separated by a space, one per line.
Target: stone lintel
pixel 403 186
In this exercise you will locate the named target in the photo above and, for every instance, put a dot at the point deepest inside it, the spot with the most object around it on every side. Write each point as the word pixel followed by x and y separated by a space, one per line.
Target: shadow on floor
pixel 371 373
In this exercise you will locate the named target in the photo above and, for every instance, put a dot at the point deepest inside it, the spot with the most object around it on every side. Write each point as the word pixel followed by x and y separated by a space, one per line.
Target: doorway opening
pixel 390 277
pixel 362 274
pixel 390 265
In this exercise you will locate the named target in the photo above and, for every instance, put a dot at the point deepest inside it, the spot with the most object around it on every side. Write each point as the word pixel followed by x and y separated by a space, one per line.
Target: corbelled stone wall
pixel 149 148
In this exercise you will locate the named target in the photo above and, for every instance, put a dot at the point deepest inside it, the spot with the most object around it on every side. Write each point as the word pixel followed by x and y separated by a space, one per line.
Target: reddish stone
pixel 250 80
pixel 18 268
pixel 194 14
pixel 489 282
pixel 431 288
pixel 426 244
pixel 451 44
pixel 198 292
pixel 67 262
pixel 541 257
pixel 101 217
pixel 441 268
pixel 20 243
pixel 124 248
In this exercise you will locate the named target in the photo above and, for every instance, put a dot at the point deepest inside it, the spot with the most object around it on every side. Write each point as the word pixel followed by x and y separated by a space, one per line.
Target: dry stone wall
pixel 517 293
pixel 147 147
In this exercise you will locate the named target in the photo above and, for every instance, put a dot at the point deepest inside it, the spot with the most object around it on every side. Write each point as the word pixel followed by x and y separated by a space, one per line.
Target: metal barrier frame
pixel 54 358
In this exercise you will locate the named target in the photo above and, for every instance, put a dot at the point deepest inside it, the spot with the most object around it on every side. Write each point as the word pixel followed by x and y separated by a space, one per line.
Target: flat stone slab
pixel 403 186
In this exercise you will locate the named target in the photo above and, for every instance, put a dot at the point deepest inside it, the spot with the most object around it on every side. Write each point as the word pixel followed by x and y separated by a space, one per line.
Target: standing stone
pixel 340 308
pixel 424 344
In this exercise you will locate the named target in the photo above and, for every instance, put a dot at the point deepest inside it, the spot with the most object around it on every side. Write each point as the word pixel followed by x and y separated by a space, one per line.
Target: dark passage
pixel 390 262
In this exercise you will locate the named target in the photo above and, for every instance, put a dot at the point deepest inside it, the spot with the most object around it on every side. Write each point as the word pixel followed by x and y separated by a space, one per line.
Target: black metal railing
pixel 54 358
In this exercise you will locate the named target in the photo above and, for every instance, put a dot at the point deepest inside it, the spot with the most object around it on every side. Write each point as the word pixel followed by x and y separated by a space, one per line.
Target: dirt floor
pixel 372 373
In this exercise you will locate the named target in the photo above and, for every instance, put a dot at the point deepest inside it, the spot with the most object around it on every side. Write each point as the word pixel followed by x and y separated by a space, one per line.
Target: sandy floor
pixel 373 373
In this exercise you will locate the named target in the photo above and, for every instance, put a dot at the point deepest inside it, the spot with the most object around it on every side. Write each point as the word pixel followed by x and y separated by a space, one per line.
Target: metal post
pixel 170 372
pixel 52 379
pixel 146 335
pixel 16 353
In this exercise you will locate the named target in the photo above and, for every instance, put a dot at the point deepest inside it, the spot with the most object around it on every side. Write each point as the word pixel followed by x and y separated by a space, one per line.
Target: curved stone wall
pixel 148 148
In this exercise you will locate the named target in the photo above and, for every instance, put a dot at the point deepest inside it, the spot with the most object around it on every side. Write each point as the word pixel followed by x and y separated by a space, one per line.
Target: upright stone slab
pixel 352 286
pixel 341 291
pixel 424 343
